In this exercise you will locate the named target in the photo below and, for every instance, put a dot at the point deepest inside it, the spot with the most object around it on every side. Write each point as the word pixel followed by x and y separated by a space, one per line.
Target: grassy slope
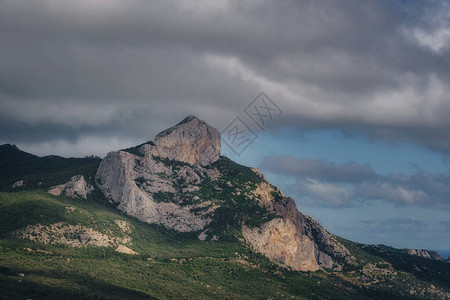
pixel 209 270
pixel 169 264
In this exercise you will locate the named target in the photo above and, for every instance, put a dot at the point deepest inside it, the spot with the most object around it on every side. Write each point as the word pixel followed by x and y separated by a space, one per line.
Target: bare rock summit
pixel 191 141
pixel 145 180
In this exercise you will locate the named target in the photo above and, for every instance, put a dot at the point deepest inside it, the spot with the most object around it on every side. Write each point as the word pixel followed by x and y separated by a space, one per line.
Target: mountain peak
pixel 192 141
pixel 10 153
pixel 9 146
pixel 188 119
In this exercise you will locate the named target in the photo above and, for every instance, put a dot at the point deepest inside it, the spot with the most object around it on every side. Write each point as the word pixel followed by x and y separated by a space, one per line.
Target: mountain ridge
pixel 136 184
pixel 45 171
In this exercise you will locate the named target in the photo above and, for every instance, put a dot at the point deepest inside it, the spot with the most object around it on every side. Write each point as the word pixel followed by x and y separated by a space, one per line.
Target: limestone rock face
pixel 280 240
pixel 425 254
pixel 144 187
pixel 17 184
pixel 191 141
pixel 76 187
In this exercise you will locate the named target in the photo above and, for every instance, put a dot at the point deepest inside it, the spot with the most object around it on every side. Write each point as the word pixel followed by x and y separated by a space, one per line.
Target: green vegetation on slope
pixel 41 172
pixel 168 265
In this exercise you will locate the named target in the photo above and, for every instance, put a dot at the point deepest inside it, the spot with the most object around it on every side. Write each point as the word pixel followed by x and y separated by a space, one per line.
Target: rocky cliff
pixel 145 180
pixel 181 182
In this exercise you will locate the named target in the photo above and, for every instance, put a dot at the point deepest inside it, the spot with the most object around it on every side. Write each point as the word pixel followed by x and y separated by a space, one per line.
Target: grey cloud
pixel 319 169
pixel 352 65
pixel 312 192
pixel 422 189
pixel 396 225
pixel 400 232
pixel 324 183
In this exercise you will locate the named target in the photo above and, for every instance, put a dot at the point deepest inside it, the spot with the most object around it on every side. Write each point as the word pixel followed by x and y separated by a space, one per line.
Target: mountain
pixel 172 218
pixel 181 182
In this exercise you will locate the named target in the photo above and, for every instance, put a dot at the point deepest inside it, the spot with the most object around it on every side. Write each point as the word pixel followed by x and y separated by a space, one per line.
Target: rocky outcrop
pixel 329 248
pixel 144 184
pixel 126 250
pixel 76 236
pixel 191 141
pixel 280 240
pixel 425 254
pixel 18 184
pixel 66 234
pixel 143 187
pixel 76 187
pixel 175 182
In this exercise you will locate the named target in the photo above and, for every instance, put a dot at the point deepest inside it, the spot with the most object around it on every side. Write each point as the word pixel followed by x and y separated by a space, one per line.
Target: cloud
pixel 422 189
pixel 131 67
pixel 311 191
pixel 435 35
pixel 396 225
pixel 319 169
pixel 324 183
pixel 402 232
pixel 436 41
pixel 393 192
pixel 399 232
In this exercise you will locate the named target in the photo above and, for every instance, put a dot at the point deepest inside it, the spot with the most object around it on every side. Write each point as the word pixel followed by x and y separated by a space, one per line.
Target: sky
pixel 352 123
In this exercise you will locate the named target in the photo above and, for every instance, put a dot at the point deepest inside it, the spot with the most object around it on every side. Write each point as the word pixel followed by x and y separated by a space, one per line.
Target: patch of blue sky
pixel 356 224
pixel 335 146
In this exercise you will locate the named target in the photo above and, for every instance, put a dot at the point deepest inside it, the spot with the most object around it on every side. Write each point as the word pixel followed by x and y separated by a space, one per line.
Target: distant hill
pixel 16 164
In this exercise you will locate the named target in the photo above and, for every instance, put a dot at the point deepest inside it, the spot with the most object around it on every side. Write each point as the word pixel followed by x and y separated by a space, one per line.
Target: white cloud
pixel 437 40
pixel 327 193
pixel 394 192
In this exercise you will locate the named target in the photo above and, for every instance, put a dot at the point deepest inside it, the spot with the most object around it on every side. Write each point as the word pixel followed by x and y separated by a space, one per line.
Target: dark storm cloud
pixel 320 182
pixel 378 67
